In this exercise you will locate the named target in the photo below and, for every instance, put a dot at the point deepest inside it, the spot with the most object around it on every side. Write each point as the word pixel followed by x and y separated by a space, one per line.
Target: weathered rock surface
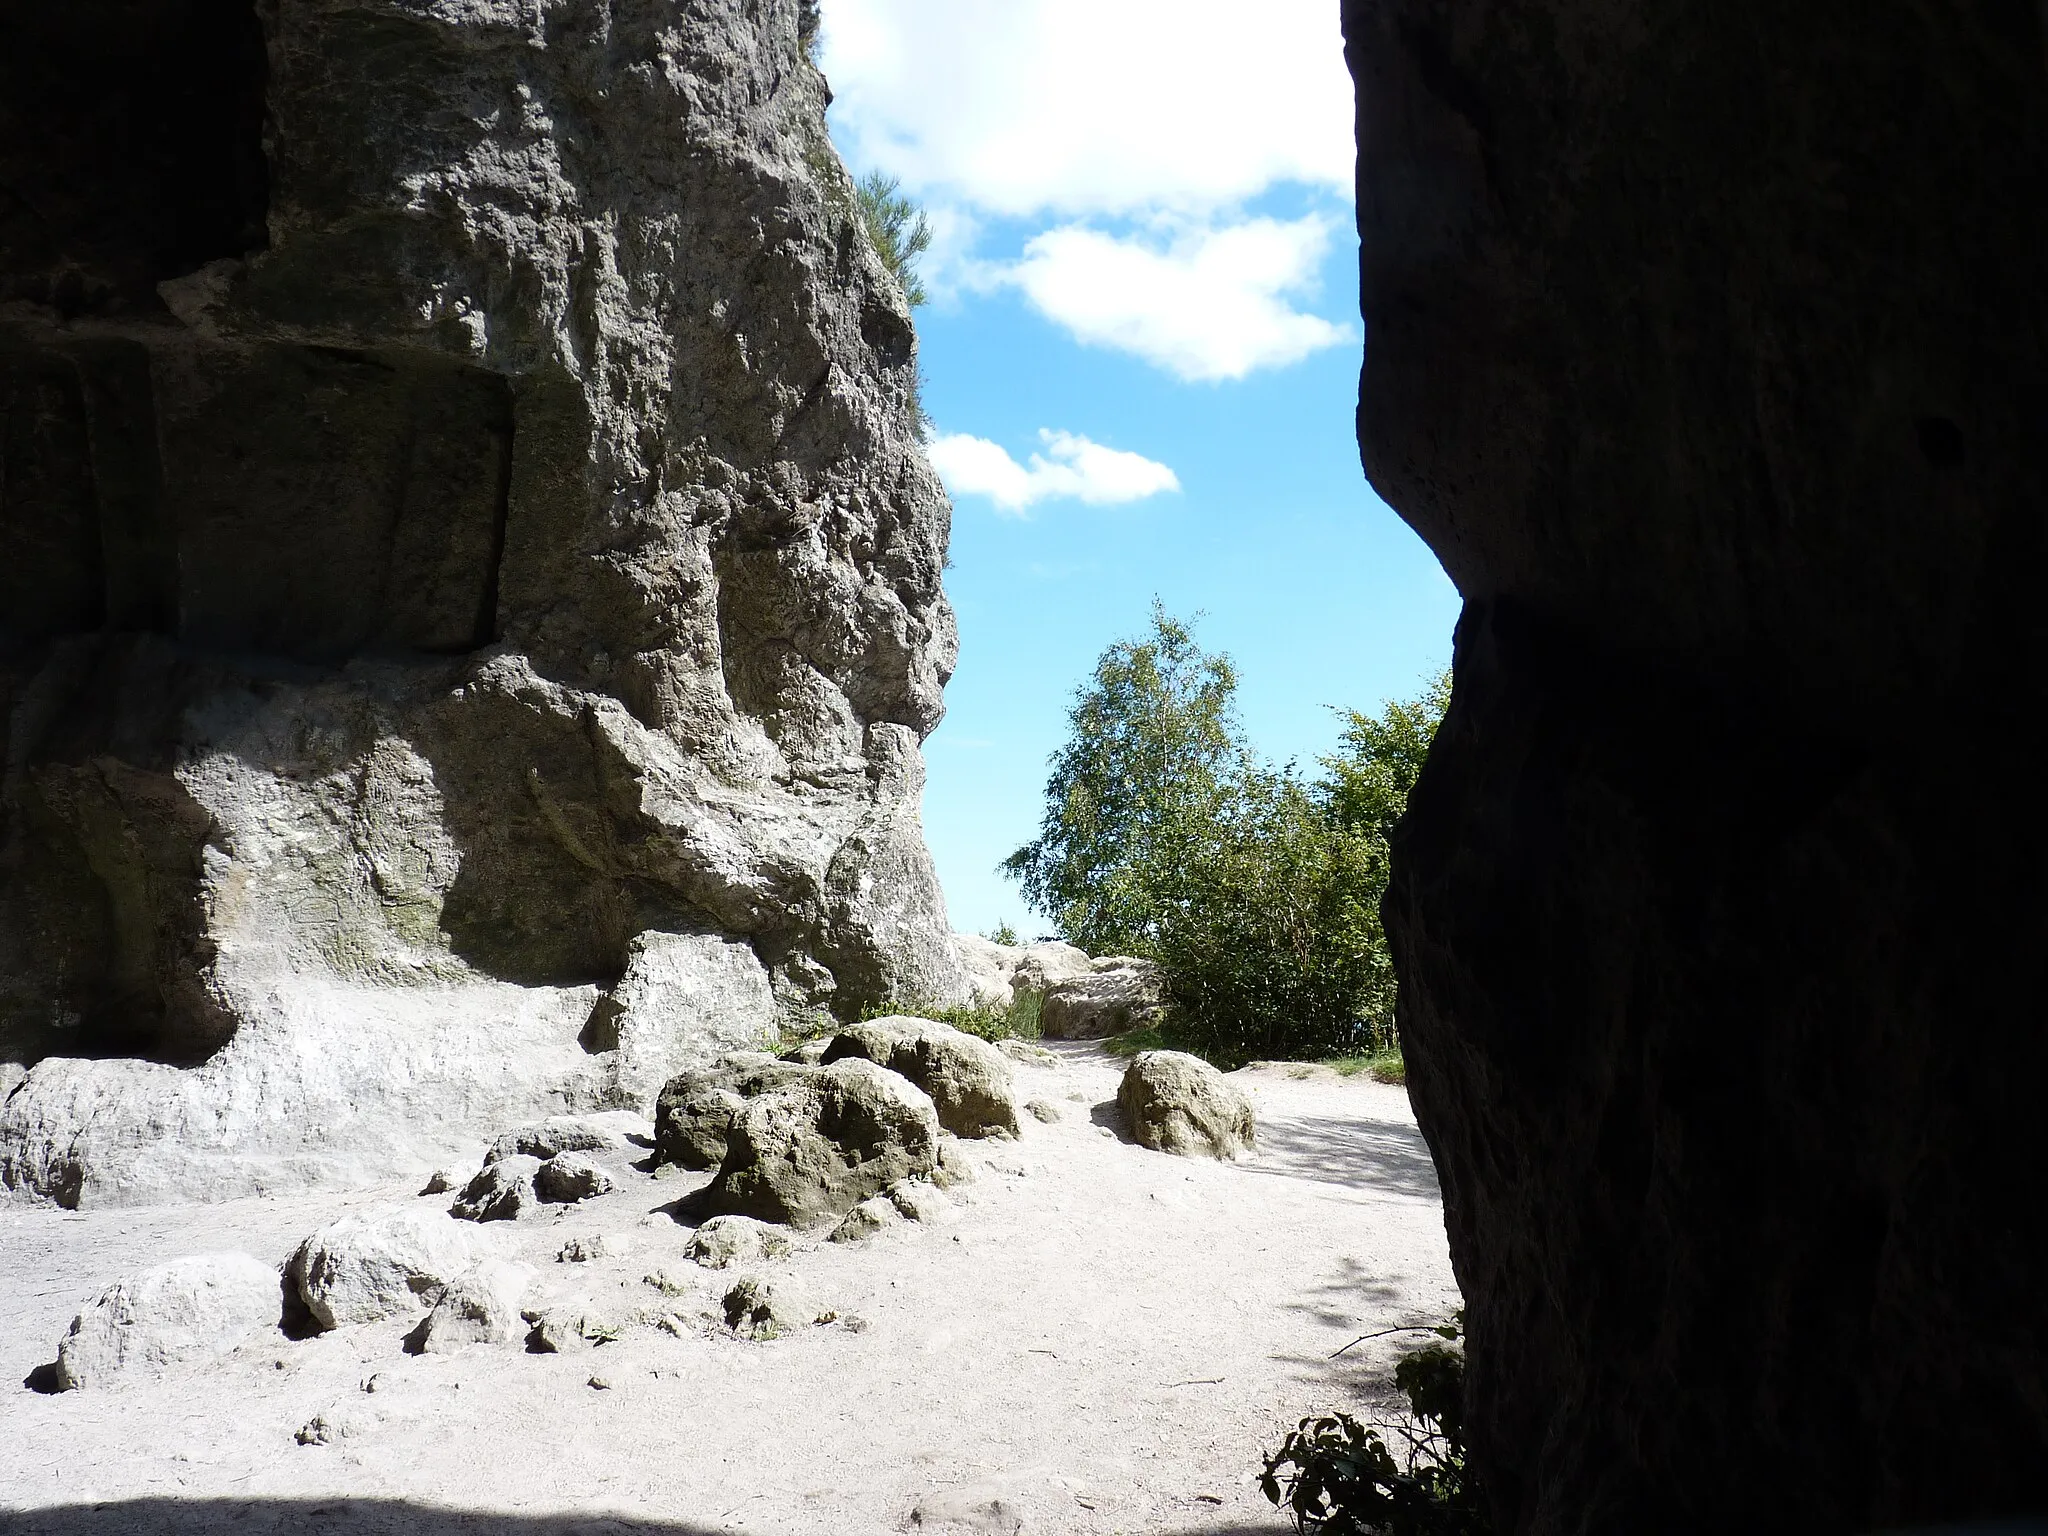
pixel 501 1191
pixel 469 585
pixel 182 1313
pixel 569 1177
pixel 967 1079
pixel 724 1241
pixel 362 1269
pixel 757 1308
pixel 481 1306
pixel 568 1133
pixel 694 1112
pixel 1174 1102
pixel 1707 352
pixel 1116 993
pixel 811 1151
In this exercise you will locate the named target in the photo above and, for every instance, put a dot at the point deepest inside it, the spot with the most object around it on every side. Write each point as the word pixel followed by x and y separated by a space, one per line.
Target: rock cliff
pixel 469 586
pixel 1707 345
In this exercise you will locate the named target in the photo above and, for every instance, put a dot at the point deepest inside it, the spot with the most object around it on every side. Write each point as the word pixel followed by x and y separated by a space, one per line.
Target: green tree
pixel 1150 765
pixel 1256 891
pixel 897 228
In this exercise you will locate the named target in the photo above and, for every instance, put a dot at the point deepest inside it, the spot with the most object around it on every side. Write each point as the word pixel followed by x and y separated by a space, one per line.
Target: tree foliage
pixel 1256 890
pixel 897 228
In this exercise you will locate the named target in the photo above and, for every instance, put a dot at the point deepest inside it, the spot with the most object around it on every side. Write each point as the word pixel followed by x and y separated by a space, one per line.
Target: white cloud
pixel 1071 466
pixel 1092 106
pixel 1211 304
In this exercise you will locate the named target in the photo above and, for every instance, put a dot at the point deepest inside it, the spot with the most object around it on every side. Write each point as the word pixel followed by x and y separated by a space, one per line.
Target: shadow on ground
pixel 360 1517
pixel 1356 1154
pixel 317 1517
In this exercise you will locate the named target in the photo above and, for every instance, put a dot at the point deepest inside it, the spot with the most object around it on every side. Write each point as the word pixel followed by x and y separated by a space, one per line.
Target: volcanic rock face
pixel 469 590
pixel 1706 348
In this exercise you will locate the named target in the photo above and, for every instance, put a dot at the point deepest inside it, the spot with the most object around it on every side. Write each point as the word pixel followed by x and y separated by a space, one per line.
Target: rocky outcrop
pixel 1115 994
pixel 967 1079
pixel 1707 351
pixel 469 586
pixel 361 1269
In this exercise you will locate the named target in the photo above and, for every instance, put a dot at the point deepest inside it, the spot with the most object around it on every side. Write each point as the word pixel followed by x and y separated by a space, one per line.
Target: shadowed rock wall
pixel 1707 345
pixel 469 588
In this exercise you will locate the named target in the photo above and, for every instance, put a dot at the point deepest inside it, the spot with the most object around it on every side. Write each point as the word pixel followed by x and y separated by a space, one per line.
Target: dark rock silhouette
pixel 1706 346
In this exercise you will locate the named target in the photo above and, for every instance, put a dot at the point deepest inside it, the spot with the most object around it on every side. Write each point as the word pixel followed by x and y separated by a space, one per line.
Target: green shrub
pixel 897 228
pixel 1019 1021
pixel 1256 891
pixel 1338 1477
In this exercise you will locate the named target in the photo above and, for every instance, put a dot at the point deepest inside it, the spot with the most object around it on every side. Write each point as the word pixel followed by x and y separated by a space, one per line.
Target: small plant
pixel 1380 1066
pixel 898 229
pixel 1019 1021
pixel 1003 933
pixel 1338 1477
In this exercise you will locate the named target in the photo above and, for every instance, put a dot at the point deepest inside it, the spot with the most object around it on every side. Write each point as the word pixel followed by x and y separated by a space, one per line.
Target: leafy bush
pixel 1338 1477
pixel 897 228
pixel 1257 892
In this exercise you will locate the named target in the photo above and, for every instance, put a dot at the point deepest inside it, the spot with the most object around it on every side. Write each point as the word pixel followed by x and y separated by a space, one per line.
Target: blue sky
pixel 1141 358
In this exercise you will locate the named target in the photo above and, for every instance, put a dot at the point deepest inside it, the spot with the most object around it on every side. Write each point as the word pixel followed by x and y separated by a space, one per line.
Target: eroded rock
pixel 815 1148
pixel 570 1177
pixel 481 1306
pixel 187 1312
pixel 501 1191
pixel 695 1110
pixel 1115 994
pixel 967 1079
pixel 756 1308
pixel 1174 1102
pixel 362 1269
pixel 724 1241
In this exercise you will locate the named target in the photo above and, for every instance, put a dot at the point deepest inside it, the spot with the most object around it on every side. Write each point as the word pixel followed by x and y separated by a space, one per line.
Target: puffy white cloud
pixel 1092 106
pixel 1071 466
pixel 1210 304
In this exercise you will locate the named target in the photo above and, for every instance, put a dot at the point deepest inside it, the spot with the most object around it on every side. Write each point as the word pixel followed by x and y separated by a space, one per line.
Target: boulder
pixel 872 1215
pixel 1174 1102
pixel 501 1191
pixel 1115 994
pixel 990 969
pixel 922 1200
pixel 764 1309
pixel 967 1079
pixel 724 1241
pixel 812 1150
pixel 362 1269
pixel 588 1250
pixel 695 1109
pixel 481 1306
pixel 568 1328
pixel 567 1133
pixel 568 1177
pixel 1043 966
pixel 186 1312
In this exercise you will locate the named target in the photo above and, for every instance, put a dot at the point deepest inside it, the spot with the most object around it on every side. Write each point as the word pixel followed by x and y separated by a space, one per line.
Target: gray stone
pixel 479 1307
pixel 990 969
pixel 875 1214
pixel 811 1151
pixel 727 1240
pixel 569 1328
pixel 922 1200
pixel 502 1191
pixel 568 1133
pixel 1045 1112
pixel 588 1250
pixel 756 1308
pixel 570 1177
pixel 1116 994
pixel 362 1269
pixel 694 1111
pixel 498 554
pixel 967 1079
pixel 1041 967
pixel 183 1313
pixel 1173 1102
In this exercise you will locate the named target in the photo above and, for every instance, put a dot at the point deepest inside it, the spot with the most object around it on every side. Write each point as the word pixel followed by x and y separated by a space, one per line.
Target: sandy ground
pixel 1104 1341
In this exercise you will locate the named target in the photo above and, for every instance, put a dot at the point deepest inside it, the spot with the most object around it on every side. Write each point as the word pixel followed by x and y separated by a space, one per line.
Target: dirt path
pixel 1103 1341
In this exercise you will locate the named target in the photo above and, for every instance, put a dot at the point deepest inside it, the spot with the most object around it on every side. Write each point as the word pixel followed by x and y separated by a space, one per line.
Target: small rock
pixel 727 1240
pixel 920 1200
pixel 335 1425
pixel 765 1309
pixel 1026 1054
pixel 360 1270
pixel 666 1283
pixel 181 1313
pixel 587 1250
pixel 480 1307
pixel 811 1053
pixel 503 1191
pixel 568 1177
pixel 440 1181
pixel 568 1329
pixel 600 1384
pixel 695 1110
pixel 1173 1102
pixel 1045 1112
pixel 866 1219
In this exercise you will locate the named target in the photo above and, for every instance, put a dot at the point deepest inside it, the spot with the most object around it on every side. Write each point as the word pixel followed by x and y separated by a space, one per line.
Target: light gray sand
pixel 1103 1341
